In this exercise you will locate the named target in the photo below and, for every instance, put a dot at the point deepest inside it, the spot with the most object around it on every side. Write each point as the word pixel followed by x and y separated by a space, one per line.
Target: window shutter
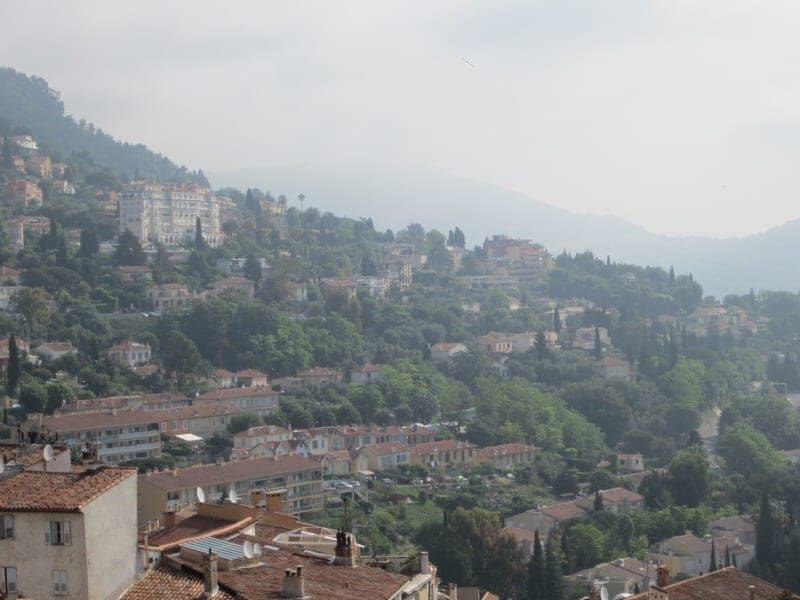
pixel 67 533
pixel 48 533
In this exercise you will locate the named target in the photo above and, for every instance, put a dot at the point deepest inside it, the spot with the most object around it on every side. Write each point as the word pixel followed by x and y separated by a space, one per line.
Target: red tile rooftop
pixel 38 491
pixel 169 582
pixel 725 584
pixel 229 472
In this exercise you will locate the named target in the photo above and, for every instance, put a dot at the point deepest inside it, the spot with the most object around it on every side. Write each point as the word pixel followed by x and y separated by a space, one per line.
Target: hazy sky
pixel 682 116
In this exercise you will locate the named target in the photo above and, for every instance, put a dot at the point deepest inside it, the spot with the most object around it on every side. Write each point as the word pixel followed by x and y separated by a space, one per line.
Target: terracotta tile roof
pixel 442 446
pixel 239 393
pixel 128 345
pixel 229 472
pixel 250 373
pixel 320 372
pixel 222 373
pixel 369 368
pixel 39 491
pixel 263 430
pixel 168 582
pixel 737 524
pixel 563 511
pixel 724 584
pixel 322 579
pixel 685 545
pixel 618 494
pixel 504 449
pixel 96 420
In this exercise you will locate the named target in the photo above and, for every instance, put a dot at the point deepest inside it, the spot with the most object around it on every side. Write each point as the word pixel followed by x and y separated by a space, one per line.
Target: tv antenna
pixel 247 547
pixel 201 495
pixel 48 455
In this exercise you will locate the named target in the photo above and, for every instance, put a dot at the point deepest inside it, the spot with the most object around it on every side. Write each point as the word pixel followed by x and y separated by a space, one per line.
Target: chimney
pixel 275 501
pixel 424 563
pixel 294 583
pixel 452 591
pixel 168 519
pixel 210 581
pixel 751 590
pixel 662 576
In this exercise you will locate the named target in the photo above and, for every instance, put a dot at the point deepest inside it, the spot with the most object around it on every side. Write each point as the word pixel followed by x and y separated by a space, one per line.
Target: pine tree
pixel 553 582
pixel 536 589
pixel 598 501
pixel 598 345
pixel 556 321
pixel 727 556
pixel 671 275
pixel 712 561
pixel 12 375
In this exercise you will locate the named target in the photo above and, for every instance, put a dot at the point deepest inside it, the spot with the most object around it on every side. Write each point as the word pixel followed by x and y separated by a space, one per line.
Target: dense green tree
pixel 129 252
pixel 199 241
pixel 252 269
pixel 58 394
pixel 712 560
pixel 90 245
pixel 7 153
pixel 243 422
pixel 598 501
pixel 688 478
pixel 33 397
pixel 179 354
pixel 767 533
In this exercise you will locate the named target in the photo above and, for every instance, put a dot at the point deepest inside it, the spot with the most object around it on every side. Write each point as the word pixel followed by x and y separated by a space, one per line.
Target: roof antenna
pixel 48 455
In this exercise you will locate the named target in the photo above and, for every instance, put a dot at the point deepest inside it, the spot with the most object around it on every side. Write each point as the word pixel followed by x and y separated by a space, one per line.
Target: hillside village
pixel 224 367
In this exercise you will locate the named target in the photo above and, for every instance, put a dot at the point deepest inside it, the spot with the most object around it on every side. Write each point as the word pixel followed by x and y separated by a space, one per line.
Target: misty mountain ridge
pixel 396 196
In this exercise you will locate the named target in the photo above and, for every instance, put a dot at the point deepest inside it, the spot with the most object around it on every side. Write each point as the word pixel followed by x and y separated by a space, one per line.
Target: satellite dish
pixel 233 496
pixel 258 550
pixel 603 593
pixel 47 452
pixel 201 495
pixel 248 549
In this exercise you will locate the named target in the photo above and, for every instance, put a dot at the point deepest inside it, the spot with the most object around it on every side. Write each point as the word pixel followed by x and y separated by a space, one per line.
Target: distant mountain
pixel 397 196
pixel 29 103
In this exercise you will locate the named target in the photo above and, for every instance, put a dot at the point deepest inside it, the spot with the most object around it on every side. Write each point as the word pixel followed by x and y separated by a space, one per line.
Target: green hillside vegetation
pixel 29 104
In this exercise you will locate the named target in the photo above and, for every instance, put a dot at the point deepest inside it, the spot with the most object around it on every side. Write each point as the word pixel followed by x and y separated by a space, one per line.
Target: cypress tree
pixel 598 345
pixel 540 345
pixel 727 556
pixel 566 567
pixel 712 561
pixel 553 584
pixel 12 375
pixel 671 275
pixel 765 532
pixel 7 155
pixel 536 589
pixel 198 234
pixel 556 321
pixel 598 501
pixel 733 561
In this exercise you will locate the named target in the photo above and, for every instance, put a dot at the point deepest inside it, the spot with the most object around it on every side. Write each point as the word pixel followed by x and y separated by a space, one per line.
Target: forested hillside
pixel 27 103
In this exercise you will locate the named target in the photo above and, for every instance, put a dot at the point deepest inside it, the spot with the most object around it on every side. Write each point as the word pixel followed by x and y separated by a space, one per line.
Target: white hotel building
pixel 168 214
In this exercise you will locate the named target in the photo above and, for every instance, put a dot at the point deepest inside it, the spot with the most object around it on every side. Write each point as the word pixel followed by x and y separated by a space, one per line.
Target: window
pixel 8 579
pixel 58 534
pixel 164 426
pixel 59 582
pixel 185 424
pixel 7 527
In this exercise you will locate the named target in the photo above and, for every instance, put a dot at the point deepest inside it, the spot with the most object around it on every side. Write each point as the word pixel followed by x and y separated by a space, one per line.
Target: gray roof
pixel 223 549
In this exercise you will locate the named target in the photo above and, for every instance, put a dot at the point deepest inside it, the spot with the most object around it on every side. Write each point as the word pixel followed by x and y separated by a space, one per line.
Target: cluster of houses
pixel 111 534
pixel 360 449
pixel 31 168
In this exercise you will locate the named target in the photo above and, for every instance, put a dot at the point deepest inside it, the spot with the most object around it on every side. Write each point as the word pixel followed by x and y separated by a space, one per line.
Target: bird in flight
pixel 468 62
